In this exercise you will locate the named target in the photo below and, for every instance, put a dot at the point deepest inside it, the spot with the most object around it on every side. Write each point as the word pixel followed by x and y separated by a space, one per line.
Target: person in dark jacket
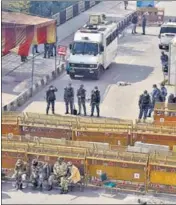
pixel 47 50
pixel 163 92
pixel 144 22
pixel 171 99
pixel 144 104
pixel 50 98
pixel 69 98
pixel 134 22
pixel 95 101
pixel 81 95
pixel 35 48
pixel 155 98
pixel 53 49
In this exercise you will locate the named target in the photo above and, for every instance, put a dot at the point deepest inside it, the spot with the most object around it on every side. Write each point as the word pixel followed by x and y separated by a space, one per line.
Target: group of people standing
pixel 61 174
pixel 135 23
pixel 69 96
pixel 147 101
pixel 49 51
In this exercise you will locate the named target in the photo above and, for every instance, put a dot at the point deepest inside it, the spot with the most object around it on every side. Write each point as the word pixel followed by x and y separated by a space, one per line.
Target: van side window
pixel 111 37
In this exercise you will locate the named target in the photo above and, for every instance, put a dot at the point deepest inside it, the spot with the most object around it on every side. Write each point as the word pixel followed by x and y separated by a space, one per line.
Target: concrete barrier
pixel 24 96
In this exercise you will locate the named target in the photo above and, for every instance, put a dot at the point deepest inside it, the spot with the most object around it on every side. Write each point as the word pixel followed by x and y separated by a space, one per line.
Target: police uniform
pixel 69 99
pixel 38 173
pixel 144 105
pixel 81 94
pixel 21 171
pixel 95 101
pixel 60 171
pixel 50 98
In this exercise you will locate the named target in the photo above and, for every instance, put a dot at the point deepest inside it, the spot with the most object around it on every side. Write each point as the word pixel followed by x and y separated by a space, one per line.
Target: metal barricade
pixel 154 134
pixel 162 174
pixel 127 171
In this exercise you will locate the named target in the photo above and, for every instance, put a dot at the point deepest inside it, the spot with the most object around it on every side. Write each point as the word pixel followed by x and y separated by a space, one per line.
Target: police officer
pixel 164 61
pixel 144 104
pixel 60 171
pixel 134 22
pixel 156 97
pixel 50 98
pixel 81 95
pixel 95 101
pixel 163 92
pixel 69 98
pixel 144 22
pixel 21 171
pixel 46 50
pixel 39 173
pixel 34 172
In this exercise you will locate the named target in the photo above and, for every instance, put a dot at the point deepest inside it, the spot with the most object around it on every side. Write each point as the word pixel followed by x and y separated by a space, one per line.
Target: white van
pixel 94 48
pixel 167 33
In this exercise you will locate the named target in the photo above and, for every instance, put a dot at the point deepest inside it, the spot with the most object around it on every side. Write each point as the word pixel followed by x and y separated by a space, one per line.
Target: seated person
pixel 75 174
pixel 20 173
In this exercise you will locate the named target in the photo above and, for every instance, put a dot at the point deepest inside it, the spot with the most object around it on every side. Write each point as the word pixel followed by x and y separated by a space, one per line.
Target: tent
pixel 19 31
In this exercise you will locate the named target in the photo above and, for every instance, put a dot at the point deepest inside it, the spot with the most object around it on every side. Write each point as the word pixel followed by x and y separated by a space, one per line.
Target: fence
pixel 126 171
pixel 165 114
pixel 73 11
pixel 106 130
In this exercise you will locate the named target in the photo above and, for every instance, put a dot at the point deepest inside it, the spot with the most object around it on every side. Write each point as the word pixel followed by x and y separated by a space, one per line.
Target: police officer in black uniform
pixel 69 98
pixel 81 95
pixel 95 101
pixel 50 98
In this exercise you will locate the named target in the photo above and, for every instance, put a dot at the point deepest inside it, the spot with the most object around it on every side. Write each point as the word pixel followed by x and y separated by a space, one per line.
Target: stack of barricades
pixel 165 114
pixel 162 173
pixel 115 169
pixel 155 16
pixel 154 134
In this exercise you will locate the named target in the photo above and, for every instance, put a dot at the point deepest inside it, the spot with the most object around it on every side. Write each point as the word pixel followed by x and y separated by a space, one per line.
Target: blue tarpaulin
pixel 141 4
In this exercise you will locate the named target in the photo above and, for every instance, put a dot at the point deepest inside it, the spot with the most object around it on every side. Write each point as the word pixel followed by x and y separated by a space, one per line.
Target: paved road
pixel 10 196
pixel 16 82
pixel 137 62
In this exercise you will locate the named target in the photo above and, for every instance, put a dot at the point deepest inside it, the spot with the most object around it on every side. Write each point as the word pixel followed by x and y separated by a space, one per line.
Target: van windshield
pixel 168 30
pixel 85 48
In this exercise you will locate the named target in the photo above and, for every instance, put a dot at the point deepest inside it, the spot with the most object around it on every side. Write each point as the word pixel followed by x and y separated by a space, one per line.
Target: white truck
pixel 94 47
pixel 167 33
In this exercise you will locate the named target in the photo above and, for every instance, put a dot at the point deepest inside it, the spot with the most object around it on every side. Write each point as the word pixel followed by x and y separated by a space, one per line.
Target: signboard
pixel 62 50
pixel 142 4
pixel 136 176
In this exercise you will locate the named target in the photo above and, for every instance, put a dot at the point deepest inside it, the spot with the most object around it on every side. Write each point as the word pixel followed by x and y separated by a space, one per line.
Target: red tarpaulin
pixel 19 31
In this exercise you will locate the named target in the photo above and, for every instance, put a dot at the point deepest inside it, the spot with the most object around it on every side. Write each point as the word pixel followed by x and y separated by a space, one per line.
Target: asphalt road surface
pixel 28 196
pixel 16 80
